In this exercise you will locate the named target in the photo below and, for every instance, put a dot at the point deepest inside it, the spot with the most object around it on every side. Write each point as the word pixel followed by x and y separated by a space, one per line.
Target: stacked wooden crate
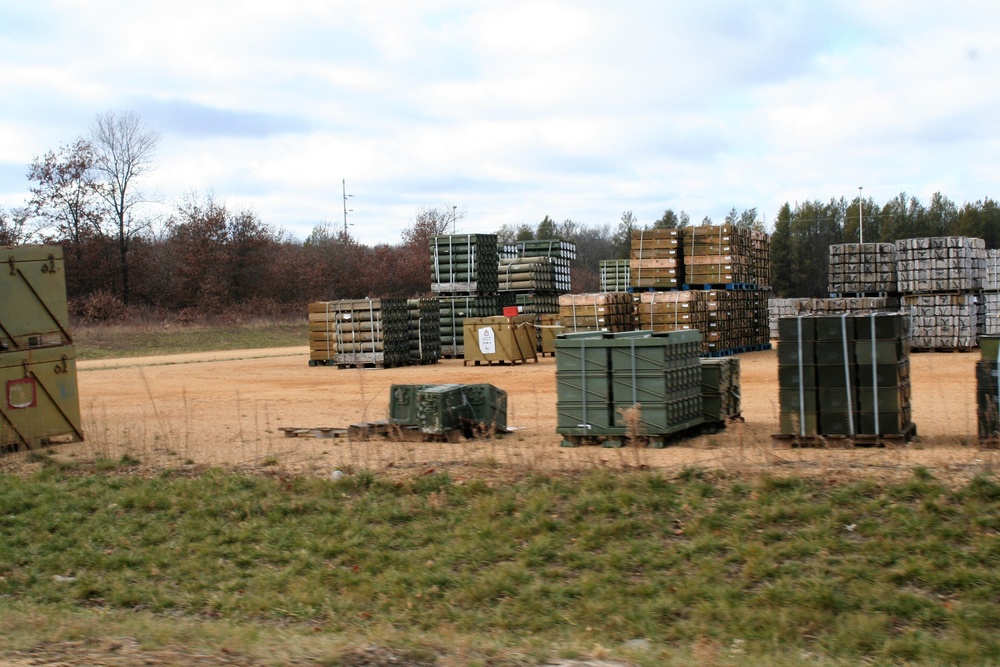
pixel 845 375
pixel 608 312
pixel 725 256
pixel 637 385
pixel 863 268
pixel 464 264
pixel 736 321
pixel 989 300
pixel 655 260
pixel 359 333
pixel 720 389
pixel 424 319
pixel 453 311
pixel 672 311
pixel 940 279
pixel 778 308
pixel 615 275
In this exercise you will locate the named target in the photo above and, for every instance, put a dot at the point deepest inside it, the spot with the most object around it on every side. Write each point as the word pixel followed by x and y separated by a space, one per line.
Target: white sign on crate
pixel 487 341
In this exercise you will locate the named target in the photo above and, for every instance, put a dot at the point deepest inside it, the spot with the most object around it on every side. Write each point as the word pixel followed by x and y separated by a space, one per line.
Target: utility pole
pixel 343 182
pixel 861 217
pixel 454 218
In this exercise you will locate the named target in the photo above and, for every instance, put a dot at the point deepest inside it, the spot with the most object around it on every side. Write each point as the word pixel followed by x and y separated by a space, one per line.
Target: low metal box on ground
pixel 40 400
pixel 441 409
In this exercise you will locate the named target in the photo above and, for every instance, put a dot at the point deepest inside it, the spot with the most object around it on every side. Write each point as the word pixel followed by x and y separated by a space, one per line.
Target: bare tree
pixel 123 152
pixel 65 193
pixel 14 228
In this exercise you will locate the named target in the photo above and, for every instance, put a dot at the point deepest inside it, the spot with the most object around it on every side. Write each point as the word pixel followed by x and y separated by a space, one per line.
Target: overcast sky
pixel 515 110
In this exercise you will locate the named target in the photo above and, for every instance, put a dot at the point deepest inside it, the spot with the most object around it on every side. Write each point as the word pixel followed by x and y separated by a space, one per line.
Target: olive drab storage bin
pixel 38 375
pixel 439 409
pixel 601 375
pixel 844 375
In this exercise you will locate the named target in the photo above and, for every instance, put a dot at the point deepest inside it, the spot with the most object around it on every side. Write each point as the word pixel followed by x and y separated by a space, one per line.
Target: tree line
pixel 207 259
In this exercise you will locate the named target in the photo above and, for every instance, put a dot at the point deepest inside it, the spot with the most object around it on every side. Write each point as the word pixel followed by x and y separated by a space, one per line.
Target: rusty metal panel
pixel 39 398
pixel 33 310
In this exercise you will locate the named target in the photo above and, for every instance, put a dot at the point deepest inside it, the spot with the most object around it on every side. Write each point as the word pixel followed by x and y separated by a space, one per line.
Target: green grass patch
pixel 112 341
pixel 748 570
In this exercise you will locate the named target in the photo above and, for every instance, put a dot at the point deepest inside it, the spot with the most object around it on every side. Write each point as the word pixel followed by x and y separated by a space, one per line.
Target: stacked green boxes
pixel 464 264
pixel 601 376
pixel 844 375
pixel 988 392
pixel 720 389
pixel 424 330
pixel 440 409
pixel 37 357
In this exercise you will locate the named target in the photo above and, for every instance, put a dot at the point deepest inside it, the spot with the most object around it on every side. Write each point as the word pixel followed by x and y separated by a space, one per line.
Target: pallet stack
pixel 453 311
pixel 940 279
pixel 736 321
pixel 359 333
pixel 844 376
pixel 615 274
pixel 655 259
pixel 464 264
pixel 989 302
pixel 851 305
pixel 532 276
pixel 672 311
pixel 527 274
pixel 862 269
pixel 613 387
pixel 607 312
pixel 726 256
pixel 988 392
pixel 560 254
pixel 424 319
pixel 720 389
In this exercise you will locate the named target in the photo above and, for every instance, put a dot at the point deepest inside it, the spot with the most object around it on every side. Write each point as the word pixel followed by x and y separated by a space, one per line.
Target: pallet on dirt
pixel 313 432
pixel 845 441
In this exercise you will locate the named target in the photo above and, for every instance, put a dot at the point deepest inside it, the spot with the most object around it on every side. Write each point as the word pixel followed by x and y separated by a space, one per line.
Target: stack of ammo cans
pixel 845 376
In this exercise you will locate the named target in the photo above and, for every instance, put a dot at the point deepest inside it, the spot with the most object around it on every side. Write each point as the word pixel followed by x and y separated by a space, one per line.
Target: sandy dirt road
pixel 227 408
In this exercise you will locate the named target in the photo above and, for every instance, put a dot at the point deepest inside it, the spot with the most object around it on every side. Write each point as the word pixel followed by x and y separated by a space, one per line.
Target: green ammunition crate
pixel 828 377
pixel 489 405
pixel 578 418
pixel 799 423
pixel 789 351
pixel 885 351
pixel 839 423
pixel 842 399
pixel 40 399
pixel 888 398
pixel 789 328
pixel 792 400
pixel 442 408
pixel 788 376
pixel 403 403
pixel 834 352
pixel 885 375
pixel 891 422
pixel 835 328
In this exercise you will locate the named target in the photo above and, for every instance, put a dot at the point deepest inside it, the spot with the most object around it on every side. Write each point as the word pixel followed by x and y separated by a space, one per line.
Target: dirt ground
pixel 228 408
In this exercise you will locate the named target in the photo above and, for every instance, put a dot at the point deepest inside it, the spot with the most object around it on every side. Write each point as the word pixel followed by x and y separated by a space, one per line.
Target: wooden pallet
pixel 497 362
pixel 313 432
pixel 845 441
